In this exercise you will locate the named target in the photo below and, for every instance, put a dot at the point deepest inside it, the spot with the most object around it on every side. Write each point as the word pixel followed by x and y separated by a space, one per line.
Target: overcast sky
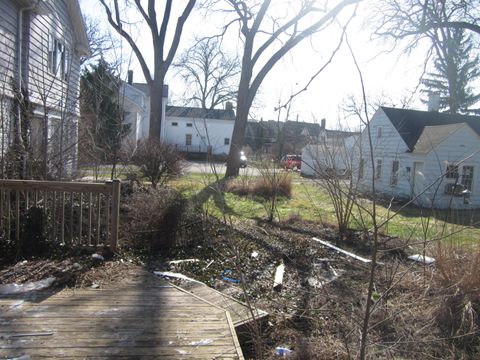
pixel 387 74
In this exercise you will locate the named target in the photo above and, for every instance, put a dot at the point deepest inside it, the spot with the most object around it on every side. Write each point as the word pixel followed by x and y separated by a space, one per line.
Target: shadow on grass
pixel 470 217
pixel 214 190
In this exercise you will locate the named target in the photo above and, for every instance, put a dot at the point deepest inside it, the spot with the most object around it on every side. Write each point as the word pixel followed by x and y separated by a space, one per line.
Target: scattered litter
pixel 278 281
pixel 326 243
pixel 314 282
pixel 76 266
pixel 170 274
pixel 283 351
pixel 201 342
pixel 208 265
pixel 182 352
pixel 98 258
pixel 254 254
pixel 21 263
pixel 9 289
pixel 95 286
pixel 225 276
pixel 182 261
pixel 427 260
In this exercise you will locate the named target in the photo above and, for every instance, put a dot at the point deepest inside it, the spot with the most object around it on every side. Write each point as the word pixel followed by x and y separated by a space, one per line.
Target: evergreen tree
pixel 455 70
pixel 102 127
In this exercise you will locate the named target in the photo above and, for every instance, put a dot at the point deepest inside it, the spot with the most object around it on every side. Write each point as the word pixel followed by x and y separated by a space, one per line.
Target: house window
pixel 379 131
pixel 378 169
pixel 189 124
pixel 188 139
pixel 461 183
pixel 361 168
pixel 467 177
pixel 394 175
pixel 58 58
pixel 226 141
pixel 174 123
pixel 452 172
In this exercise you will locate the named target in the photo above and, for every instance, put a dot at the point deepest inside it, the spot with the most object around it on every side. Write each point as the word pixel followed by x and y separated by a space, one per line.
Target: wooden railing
pixel 72 213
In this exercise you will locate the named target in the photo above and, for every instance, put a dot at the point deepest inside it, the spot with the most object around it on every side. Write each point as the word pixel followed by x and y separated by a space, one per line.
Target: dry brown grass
pixel 457 279
pixel 265 187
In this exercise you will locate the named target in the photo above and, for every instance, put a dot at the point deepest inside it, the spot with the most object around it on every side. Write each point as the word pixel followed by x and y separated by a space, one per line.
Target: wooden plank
pixel 62 186
pixel 331 246
pixel 115 215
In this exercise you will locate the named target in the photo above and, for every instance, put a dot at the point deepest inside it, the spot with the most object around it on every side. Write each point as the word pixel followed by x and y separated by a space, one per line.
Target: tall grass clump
pixel 457 279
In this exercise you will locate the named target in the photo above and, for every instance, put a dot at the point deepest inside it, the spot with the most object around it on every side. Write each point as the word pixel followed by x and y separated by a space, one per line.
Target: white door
pixel 418 179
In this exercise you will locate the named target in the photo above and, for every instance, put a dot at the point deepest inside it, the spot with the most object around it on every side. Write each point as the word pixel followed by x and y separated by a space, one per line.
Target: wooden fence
pixel 72 213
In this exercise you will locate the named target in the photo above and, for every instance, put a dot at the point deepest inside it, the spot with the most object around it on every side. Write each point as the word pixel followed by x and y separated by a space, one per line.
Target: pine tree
pixel 455 70
pixel 102 127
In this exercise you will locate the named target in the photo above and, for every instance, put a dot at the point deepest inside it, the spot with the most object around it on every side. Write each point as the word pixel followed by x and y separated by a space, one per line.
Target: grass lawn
pixel 311 202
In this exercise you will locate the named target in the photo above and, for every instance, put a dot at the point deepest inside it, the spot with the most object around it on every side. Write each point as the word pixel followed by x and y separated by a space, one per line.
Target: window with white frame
pixel 458 179
pixel 467 177
pixel 378 169
pixel 226 141
pixel 394 174
pixel 58 58
pixel 189 124
pixel 174 123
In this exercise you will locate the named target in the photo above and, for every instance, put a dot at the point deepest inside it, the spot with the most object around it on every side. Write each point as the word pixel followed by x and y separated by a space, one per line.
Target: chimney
pixel 228 106
pixel 323 123
pixel 130 77
pixel 433 102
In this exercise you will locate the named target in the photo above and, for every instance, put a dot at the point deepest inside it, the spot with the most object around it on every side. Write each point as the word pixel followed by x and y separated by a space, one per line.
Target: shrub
pixel 157 161
pixel 151 218
pixel 268 187
pixel 458 281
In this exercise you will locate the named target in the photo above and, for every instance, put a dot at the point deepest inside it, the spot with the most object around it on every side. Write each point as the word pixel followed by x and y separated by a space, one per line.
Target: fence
pixel 71 213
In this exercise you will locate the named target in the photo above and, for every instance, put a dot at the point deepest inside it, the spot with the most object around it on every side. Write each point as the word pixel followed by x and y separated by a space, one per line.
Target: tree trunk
pixel 233 161
pixel 156 104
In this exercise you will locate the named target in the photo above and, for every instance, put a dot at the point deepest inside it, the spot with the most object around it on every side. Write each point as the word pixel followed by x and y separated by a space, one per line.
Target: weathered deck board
pixel 131 322
pixel 239 311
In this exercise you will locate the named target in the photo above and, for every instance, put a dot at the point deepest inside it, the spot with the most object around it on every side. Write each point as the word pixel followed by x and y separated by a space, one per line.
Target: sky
pixel 388 74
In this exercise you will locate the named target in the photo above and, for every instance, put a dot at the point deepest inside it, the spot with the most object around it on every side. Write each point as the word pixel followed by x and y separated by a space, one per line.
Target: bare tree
pixel 210 72
pixel 162 59
pixel 276 38
pixel 414 20
pixel 100 41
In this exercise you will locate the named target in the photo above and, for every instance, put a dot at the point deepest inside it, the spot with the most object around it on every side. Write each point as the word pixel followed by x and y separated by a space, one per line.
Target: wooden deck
pixel 240 313
pixel 135 321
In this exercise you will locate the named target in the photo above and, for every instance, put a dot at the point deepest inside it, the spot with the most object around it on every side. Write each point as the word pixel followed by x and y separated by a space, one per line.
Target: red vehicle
pixel 291 162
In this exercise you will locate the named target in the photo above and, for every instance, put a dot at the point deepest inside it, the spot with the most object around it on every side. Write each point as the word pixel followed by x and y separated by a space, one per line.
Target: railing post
pixel 115 214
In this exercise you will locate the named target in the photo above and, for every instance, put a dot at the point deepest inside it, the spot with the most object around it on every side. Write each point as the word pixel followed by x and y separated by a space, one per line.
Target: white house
pixel 430 157
pixel 333 155
pixel 41 43
pixel 199 130
pixel 189 129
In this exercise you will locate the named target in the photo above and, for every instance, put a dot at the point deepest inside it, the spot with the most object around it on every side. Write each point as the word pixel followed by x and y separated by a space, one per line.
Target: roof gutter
pixel 21 11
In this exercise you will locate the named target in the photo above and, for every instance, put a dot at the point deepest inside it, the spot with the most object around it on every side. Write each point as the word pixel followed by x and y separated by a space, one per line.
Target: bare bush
pixel 152 218
pixel 157 161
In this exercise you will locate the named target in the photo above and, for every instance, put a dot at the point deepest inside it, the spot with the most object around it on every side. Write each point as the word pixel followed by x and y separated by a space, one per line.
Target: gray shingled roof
pixel 199 113
pixel 410 124
pixel 433 135
pixel 146 89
